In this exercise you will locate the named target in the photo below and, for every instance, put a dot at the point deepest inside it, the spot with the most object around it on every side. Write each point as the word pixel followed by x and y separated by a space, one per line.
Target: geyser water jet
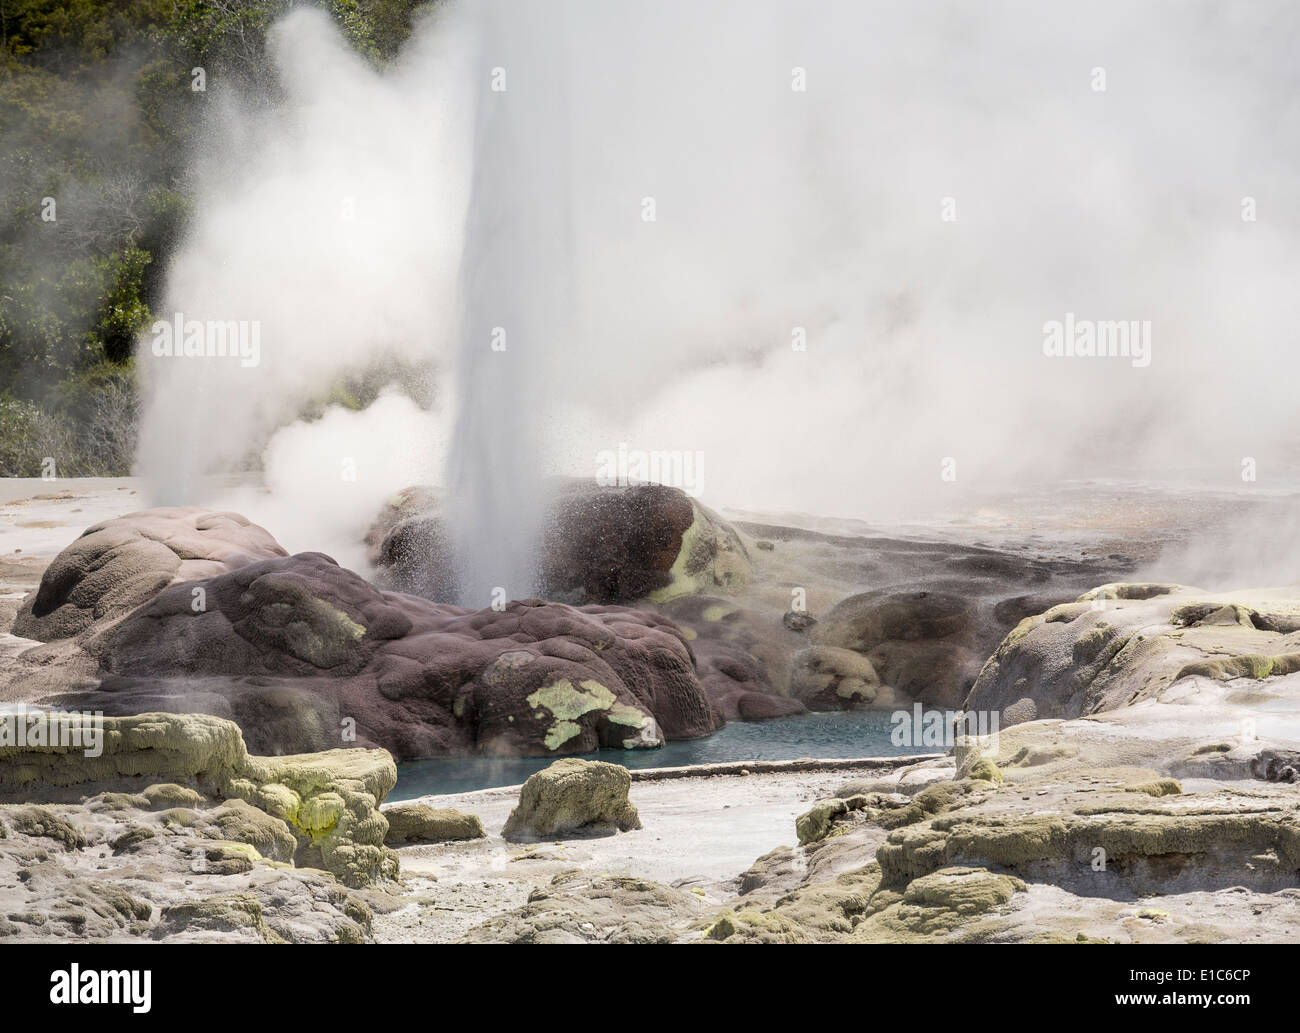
pixel 515 298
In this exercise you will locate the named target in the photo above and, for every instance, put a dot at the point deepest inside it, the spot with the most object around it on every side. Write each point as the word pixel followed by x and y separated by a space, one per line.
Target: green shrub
pixel 86 427
pixel 96 112
pixel 30 437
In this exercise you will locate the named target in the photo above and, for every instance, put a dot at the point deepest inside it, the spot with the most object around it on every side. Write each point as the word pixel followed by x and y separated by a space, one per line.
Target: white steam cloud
pixel 334 222
pixel 774 208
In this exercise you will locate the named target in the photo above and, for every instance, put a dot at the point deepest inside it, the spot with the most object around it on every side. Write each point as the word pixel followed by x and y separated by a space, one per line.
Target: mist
pixel 836 293
pixel 333 221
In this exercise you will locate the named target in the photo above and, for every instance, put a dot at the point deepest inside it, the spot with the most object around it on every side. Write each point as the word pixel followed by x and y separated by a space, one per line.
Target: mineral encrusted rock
pixel 832 678
pixel 742 657
pixel 853 907
pixel 889 811
pixel 573 796
pixel 603 545
pixel 176 833
pixel 1121 644
pixel 119 564
pixel 1068 845
pixel 937 613
pixel 817 822
pixel 922 645
pixel 420 823
pixel 649 545
pixel 578 907
pixel 296 648
pixel 191 772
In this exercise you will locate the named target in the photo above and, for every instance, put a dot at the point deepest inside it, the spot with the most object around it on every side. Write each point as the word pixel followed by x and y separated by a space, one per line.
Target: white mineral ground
pixel 696 832
pixel 701 834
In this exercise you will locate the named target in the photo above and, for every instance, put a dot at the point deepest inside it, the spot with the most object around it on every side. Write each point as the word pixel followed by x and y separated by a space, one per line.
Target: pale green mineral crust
pixel 711 559
pixel 566 703
pixel 318 810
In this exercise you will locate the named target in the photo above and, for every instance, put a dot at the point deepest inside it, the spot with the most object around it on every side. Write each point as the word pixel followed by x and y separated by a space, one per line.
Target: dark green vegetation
pixel 98 115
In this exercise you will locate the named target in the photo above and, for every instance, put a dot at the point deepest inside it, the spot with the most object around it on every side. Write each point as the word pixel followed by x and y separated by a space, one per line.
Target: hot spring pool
pixel 862 733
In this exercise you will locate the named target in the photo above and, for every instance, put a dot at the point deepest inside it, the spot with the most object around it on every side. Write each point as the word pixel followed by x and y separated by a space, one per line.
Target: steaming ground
pixel 1140 532
pixel 1179 534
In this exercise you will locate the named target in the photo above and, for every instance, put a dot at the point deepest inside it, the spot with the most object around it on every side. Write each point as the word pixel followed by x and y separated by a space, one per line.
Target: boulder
pixel 817 822
pixel 831 678
pixel 573 796
pixel 923 645
pixel 408 547
pixel 119 564
pixel 623 544
pixel 420 823
pixel 601 545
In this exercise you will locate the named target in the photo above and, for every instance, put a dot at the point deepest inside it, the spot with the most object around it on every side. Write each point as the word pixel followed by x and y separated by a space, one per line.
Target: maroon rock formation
pixel 742 657
pixel 300 652
pixel 118 564
pixel 600 545
pixel 613 545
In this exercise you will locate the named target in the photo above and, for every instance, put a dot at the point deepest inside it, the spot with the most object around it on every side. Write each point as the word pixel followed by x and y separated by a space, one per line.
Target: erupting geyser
pixel 515 299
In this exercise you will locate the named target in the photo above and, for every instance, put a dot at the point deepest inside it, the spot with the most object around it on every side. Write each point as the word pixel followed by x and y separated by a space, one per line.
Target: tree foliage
pixel 96 116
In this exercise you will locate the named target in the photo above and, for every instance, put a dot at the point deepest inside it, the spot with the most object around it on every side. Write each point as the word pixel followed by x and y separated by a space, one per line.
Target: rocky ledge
pixel 175 832
pixel 1123 644
pixel 1034 843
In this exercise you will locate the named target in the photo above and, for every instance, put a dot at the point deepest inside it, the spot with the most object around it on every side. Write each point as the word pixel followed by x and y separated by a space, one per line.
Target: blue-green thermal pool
pixel 863 733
